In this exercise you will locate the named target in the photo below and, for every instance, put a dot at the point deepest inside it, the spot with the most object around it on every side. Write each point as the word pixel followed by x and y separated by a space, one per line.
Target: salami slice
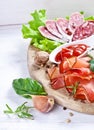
pixel 62 25
pixel 52 28
pixel 44 32
pixel 83 31
pixel 76 19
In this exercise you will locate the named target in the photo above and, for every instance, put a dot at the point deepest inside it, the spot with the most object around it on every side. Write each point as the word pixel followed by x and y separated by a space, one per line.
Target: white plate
pixel 88 41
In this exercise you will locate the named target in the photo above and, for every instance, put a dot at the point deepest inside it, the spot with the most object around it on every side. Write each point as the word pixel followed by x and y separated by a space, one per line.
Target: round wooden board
pixel 61 96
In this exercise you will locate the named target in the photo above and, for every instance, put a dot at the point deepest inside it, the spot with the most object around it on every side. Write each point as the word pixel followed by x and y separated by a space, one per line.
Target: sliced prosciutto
pixel 87 90
pixel 52 28
pixel 62 25
pixel 63 30
pixel 76 19
pixel 83 31
pixel 44 32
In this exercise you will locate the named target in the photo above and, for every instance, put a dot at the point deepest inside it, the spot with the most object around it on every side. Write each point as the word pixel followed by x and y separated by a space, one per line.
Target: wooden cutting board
pixel 61 96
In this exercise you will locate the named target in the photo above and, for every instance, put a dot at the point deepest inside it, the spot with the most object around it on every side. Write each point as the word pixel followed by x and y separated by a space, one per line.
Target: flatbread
pixel 61 96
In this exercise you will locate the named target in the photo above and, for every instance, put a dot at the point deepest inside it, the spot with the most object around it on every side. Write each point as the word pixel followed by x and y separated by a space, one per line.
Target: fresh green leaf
pixel 92 65
pixel 46 45
pixel 31 31
pixel 22 111
pixel 82 12
pixel 39 18
pixel 89 18
pixel 28 87
pixel 67 17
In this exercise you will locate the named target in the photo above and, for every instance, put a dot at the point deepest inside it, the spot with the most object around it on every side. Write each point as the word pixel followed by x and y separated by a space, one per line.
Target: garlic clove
pixel 43 103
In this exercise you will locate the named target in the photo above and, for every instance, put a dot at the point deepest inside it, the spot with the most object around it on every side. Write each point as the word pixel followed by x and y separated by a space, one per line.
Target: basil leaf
pixel 28 87
pixel 92 65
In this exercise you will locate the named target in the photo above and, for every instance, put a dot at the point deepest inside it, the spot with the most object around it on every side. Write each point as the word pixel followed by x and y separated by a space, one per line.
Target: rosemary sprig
pixel 21 111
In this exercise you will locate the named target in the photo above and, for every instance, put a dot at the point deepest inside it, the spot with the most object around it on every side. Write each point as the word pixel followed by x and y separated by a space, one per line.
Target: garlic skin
pixel 43 103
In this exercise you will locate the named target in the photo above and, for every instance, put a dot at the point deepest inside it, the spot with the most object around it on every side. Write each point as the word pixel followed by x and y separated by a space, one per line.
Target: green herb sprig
pixel 22 111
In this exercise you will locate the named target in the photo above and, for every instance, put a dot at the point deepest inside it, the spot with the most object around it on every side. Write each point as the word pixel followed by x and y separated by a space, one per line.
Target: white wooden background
pixel 18 11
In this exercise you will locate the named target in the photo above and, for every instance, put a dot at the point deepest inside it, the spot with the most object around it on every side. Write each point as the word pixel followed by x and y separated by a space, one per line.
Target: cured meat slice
pixel 44 32
pixel 62 25
pixel 76 19
pixel 88 86
pixel 83 31
pixel 52 28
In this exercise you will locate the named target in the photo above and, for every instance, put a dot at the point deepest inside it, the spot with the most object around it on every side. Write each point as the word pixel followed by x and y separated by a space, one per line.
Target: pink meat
pixel 62 25
pixel 44 32
pixel 83 31
pixel 76 19
pixel 52 28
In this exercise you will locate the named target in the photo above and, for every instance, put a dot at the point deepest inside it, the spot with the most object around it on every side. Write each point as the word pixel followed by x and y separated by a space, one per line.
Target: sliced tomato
pixel 58 83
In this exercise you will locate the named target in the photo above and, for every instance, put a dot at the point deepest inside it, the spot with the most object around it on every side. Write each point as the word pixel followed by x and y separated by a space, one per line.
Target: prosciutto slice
pixel 88 90
pixel 44 32
pixel 63 30
pixel 62 25
pixel 52 28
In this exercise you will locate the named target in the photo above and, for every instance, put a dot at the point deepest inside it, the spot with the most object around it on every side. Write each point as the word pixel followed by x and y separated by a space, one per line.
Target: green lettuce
pixel 31 31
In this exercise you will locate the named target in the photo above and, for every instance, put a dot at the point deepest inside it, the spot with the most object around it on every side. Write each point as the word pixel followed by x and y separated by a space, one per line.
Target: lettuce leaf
pixel 31 31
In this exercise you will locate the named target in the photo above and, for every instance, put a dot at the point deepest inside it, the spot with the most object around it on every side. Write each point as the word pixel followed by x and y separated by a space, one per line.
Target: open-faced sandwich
pixel 61 58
